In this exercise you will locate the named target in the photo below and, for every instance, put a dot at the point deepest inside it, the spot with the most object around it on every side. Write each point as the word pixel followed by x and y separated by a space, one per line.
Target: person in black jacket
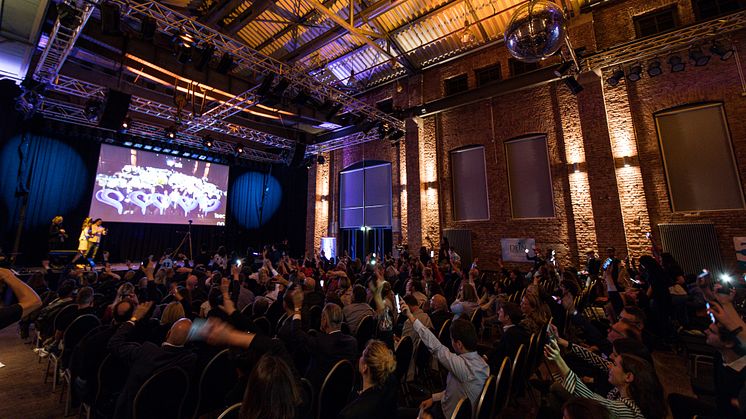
pixel 514 335
pixel 378 397
pixel 146 358
pixel 328 347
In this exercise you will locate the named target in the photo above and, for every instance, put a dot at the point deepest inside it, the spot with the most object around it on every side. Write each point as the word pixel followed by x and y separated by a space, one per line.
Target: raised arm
pixel 27 297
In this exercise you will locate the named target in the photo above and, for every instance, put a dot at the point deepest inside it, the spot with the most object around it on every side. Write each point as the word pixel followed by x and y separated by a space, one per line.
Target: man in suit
pixel 147 358
pixel 514 335
pixel 328 347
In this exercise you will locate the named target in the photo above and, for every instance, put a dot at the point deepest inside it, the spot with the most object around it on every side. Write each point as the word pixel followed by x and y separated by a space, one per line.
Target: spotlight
pixel 110 18
pixel 563 68
pixel 207 142
pixel 281 86
pixel 721 50
pixel 225 64
pixel 635 72
pixel 171 133
pixel 677 64
pixel 266 84
pixel 698 57
pixel 572 84
pixel 93 109
pixel 202 56
pixel 654 68
pixel 239 149
pixel 148 28
pixel 126 122
pixel 68 15
pixel 616 77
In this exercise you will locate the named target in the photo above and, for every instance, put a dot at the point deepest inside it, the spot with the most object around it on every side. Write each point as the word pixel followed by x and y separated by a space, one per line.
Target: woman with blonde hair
pixel 534 315
pixel 170 315
pixel 378 397
pixel 83 239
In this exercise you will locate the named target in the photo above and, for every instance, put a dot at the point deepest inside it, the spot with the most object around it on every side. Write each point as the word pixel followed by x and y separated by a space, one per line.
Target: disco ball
pixel 536 31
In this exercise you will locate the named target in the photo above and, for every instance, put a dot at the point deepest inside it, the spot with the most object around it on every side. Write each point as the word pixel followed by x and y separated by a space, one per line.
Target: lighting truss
pixel 343 142
pixel 67 112
pixel 668 42
pixel 61 41
pixel 248 59
pixel 74 87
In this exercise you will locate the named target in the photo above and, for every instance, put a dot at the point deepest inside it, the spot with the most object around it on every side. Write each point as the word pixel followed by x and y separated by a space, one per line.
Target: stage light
pixel 128 143
pixel 699 58
pixel 677 64
pixel 69 16
pixel 281 86
pixel 563 68
pixel 635 72
pixel 207 142
pixel 572 84
pixel 170 133
pixel 166 150
pixel 148 27
pixel 265 85
pixel 202 157
pixel 367 126
pixel 202 56
pixel 186 154
pixel 138 145
pixel 157 149
pixel 147 147
pixel 225 64
pixel 396 136
pixel 576 167
pixel 126 122
pixel 722 50
pixel 654 68
pixel 626 161
pixel 239 149
pixel 93 109
pixel 174 152
pixel 616 77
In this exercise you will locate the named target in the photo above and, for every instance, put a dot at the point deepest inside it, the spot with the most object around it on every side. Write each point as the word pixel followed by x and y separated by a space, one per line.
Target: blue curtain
pixel 53 177
pixel 246 199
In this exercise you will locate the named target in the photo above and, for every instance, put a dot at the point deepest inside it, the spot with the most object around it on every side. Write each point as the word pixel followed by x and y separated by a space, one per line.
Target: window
pixel 529 178
pixel 386 105
pixel 698 159
pixel 518 67
pixel 456 84
pixel 707 9
pixel 655 22
pixel 488 74
pixel 469 170
pixel 365 195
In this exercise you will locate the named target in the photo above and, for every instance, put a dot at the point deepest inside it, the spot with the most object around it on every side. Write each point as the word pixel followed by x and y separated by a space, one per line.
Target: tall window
pixel 529 178
pixel 487 75
pixel 655 22
pixel 707 9
pixel 365 195
pixel 698 158
pixel 470 201
pixel 456 84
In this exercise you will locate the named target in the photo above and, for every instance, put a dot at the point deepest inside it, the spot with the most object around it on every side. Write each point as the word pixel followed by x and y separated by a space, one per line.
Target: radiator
pixel 694 246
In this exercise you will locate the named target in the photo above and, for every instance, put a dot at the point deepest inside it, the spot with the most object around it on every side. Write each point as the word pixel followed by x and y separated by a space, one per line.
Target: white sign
pixel 514 250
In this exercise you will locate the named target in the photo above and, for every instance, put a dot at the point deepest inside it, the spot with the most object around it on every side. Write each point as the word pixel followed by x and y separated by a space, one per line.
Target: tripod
pixel 187 236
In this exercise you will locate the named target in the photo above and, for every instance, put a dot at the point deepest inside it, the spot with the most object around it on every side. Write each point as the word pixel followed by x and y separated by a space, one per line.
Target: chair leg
pixel 46 372
pixel 55 373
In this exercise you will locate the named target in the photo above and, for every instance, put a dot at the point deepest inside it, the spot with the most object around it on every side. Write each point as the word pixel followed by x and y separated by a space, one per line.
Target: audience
pixel 378 396
pixel 357 309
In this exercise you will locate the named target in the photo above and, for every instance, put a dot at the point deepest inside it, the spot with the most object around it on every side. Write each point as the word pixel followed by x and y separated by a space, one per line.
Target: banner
pixel 514 250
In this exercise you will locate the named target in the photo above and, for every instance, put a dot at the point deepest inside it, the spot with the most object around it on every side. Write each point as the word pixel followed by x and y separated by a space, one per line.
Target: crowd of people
pixel 422 334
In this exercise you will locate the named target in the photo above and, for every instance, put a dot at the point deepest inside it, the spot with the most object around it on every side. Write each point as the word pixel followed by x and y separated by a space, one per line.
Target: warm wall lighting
pixel 626 160
pixel 430 185
pixel 576 167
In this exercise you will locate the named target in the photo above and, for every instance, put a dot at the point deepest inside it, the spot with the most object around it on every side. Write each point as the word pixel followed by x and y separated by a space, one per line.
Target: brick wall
pixel 604 203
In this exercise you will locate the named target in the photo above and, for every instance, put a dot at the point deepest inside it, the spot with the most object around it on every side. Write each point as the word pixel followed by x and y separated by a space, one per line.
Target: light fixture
pixel 171 133
pixel 677 64
pixel 467 36
pixel 626 161
pixel 148 27
pixel 722 50
pixel 572 84
pixel 635 72
pixel 126 123
pixel 616 77
pixel 202 56
pixel 654 68
pixel 576 167
pixel 563 68
pixel 350 82
pixel 699 58
pixel 207 142
pixel 93 109
pixel 239 149
pixel 225 64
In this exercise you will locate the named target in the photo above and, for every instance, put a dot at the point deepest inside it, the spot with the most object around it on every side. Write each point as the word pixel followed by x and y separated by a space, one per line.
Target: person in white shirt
pixel 467 370
pixel 95 232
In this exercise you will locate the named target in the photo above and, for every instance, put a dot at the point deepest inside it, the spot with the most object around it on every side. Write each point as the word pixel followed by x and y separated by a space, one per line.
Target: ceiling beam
pixel 289 28
pixel 220 11
pixel 252 12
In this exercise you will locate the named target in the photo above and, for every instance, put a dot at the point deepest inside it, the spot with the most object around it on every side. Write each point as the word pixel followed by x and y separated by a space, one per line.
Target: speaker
pixel 299 154
pixel 115 109
pixel 110 17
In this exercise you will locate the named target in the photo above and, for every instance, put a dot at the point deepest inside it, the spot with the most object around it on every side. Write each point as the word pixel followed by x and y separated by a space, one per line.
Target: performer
pixel 57 234
pixel 83 239
pixel 94 237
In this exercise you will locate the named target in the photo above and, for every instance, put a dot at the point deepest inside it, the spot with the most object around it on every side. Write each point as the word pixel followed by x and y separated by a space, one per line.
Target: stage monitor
pixel 137 186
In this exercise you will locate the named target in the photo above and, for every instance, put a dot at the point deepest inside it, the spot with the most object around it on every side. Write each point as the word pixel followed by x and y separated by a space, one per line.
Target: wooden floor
pixel 23 394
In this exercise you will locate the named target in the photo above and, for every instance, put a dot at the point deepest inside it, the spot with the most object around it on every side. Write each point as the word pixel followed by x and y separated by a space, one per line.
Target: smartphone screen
pixel 712 316
pixel 398 307
pixel 322 283
pixel 195 332
pixel 550 334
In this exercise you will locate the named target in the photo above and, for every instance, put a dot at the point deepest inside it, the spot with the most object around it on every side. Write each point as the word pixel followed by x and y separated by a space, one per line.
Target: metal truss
pixel 248 59
pixel 666 43
pixel 74 87
pixel 67 112
pixel 61 40
pixel 343 142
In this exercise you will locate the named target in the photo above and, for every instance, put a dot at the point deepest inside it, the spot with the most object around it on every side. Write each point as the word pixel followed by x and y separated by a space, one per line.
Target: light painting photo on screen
pixel 136 186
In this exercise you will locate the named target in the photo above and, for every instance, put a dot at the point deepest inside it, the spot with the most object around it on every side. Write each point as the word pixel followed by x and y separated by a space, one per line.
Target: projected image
pixel 145 187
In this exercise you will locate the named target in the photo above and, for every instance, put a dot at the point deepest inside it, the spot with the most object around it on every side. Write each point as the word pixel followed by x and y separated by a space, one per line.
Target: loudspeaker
pixel 110 17
pixel 299 154
pixel 115 110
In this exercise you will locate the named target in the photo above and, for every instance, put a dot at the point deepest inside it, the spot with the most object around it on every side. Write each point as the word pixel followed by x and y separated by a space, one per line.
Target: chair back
pixel 314 315
pixel 74 333
pixel 75 355
pixel 171 384
pixel 486 403
pixel 109 384
pixel 335 389
pixel 309 397
pixel 502 387
pixel 533 346
pixel 366 329
pixel 231 412
pixel 403 356
pixel 263 325
pixel 516 372
pixel 422 358
pixel 462 410
pixel 64 312
pixel 217 379
pixel 444 335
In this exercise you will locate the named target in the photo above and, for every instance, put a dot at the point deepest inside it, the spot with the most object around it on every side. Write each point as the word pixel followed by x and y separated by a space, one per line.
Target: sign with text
pixel 740 244
pixel 514 250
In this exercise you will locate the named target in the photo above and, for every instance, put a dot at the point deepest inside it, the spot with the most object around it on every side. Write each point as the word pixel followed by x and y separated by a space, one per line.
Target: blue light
pixel 157 149
pixel 246 196
pixel 148 147
pixel 202 157
pixel 166 150
pixel 128 143
pixel 174 152
pixel 138 145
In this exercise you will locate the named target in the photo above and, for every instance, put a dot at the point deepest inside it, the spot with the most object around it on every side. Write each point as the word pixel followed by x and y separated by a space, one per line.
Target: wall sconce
pixel 430 185
pixel 324 198
pixel 626 160
pixel 576 167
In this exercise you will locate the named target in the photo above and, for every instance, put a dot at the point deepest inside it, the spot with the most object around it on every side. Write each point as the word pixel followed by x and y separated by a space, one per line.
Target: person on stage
pixel 57 234
pixel 83 239
pixel 94 237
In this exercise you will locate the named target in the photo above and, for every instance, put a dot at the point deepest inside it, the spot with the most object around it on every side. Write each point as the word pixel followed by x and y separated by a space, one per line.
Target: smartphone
pixel 238 262
pixel 195 332
pixel 647 234
pixel 321 282
pixel 557 299
pixel 607 262
pixel 432 253
pixel 550 334
pixel 398 307
pixel 712 316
